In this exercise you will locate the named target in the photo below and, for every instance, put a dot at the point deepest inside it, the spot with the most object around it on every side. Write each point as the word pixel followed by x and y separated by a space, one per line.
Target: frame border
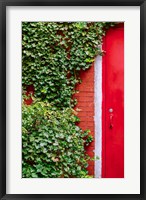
pixel 3 5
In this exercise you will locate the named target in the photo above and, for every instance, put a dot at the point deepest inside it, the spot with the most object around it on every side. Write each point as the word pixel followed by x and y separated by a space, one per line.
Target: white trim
pixel 98 114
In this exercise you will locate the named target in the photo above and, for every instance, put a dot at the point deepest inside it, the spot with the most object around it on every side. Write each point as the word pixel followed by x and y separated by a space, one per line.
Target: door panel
pixel 113 104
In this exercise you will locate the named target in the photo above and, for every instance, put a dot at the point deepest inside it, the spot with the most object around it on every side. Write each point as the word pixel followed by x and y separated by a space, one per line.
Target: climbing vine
pixel 53 145
pixel 53 54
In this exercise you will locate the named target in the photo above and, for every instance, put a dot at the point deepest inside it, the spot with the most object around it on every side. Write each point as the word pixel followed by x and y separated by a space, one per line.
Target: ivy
pixel 53 145
pixel 54 53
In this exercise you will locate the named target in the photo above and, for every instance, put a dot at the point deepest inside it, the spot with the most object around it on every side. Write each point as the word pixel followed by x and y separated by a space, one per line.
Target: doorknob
pixel 110 110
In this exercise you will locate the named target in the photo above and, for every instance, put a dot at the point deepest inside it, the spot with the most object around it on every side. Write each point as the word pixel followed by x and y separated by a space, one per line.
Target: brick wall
pixel 85 99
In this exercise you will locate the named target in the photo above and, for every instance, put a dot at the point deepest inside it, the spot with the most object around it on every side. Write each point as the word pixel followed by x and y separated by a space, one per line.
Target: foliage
pixel 53 145
pixel 54 52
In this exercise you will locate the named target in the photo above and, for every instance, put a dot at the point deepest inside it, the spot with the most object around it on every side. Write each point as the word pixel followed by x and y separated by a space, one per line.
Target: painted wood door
pixel 113 104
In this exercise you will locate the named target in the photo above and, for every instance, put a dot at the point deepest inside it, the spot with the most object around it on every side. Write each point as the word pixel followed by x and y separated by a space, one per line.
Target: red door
pixel 113 104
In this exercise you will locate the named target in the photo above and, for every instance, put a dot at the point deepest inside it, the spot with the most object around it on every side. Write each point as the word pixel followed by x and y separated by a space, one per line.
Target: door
pixel 113 104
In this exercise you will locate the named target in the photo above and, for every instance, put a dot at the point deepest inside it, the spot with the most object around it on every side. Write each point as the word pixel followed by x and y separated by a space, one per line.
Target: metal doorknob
pixel 110 110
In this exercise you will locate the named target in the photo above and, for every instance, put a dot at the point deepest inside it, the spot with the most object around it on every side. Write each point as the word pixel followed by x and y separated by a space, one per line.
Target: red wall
pixel 85 99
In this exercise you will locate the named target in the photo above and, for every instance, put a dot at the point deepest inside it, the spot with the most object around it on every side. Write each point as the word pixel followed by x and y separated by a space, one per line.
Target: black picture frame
pixel 3 5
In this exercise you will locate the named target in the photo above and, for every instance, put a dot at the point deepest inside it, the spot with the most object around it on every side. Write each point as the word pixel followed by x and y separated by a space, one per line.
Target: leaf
pixel 34 175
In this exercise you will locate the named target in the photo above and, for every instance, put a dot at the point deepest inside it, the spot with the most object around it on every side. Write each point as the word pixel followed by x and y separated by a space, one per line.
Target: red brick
pixel 85 88
pixel 86 104
pixel 93 144
pixel 91 128
pixel 86 108
pixel 91 163
pixel 86 84
pixel 85 114
pixel 90 170
pixel 86 124
pixel 87 119
pixel 85 98
pixel 90 153
pixel 89 148
pixel 89 77
pixel 91 123
pixel 84 94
